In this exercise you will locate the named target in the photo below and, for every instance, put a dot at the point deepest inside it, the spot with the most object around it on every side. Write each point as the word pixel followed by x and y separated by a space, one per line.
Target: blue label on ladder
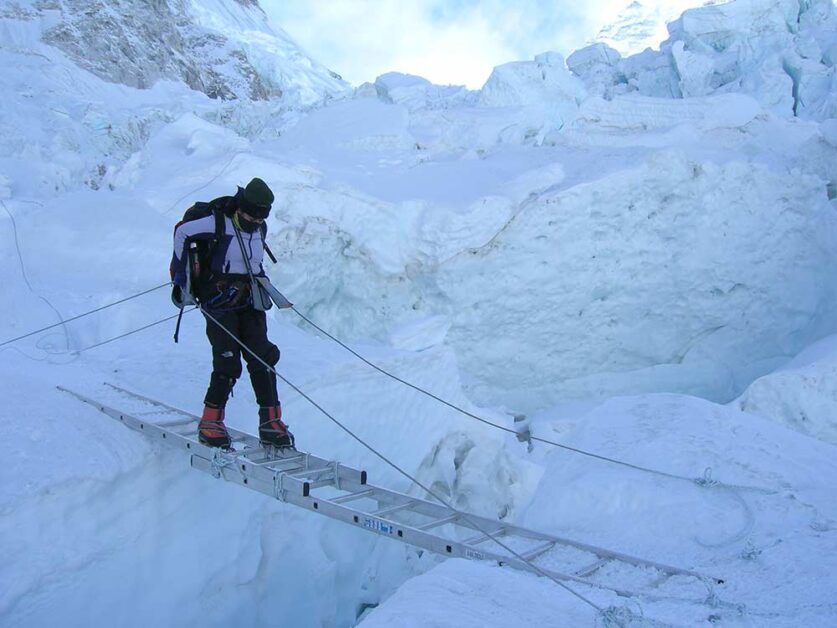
pixel 378 526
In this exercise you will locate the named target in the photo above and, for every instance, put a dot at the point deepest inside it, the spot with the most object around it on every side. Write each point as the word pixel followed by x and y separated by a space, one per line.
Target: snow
pixel 801 395
pixel 629 255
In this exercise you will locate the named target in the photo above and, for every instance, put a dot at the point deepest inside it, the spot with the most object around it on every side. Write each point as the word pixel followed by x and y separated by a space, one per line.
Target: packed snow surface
pixel 628 254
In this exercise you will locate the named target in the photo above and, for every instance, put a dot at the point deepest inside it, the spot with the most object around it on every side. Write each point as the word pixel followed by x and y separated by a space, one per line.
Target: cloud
pixel 445 41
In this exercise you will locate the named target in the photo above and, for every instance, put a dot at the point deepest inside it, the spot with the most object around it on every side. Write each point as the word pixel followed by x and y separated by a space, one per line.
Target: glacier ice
pixel 617 224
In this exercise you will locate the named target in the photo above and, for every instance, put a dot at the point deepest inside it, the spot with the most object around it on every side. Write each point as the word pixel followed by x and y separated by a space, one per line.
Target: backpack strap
pixel 227 209
pixel 264 241
pixel 219 231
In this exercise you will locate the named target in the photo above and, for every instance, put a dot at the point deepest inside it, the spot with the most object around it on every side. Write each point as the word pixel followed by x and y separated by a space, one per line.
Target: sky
pixel 446 41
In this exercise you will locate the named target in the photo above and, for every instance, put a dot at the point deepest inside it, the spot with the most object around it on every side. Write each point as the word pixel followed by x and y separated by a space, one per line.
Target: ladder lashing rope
pixel 535 568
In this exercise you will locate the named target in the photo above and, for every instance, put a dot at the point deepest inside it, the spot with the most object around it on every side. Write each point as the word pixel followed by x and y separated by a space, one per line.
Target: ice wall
pixel 696 275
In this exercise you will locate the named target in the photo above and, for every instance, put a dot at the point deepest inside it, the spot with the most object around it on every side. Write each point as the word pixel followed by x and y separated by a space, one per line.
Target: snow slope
pixel 570 243
pixel 768 540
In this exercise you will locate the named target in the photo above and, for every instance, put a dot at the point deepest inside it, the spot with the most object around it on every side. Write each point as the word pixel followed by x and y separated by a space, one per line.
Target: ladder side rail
pixel 355 476
pixel 237 459
pixel 316 464
pixel 153 402
pixel 382 526
pixel 347 474
pixel 419 505
pixel 257 479
pixel 516 563
pixel 151 429
pixel 602 552
pixel 295 494
pixel 476 522
pixel 279 483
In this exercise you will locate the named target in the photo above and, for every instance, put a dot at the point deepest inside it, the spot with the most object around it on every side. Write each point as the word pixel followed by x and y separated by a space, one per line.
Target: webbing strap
pixel 177 327
pixel 268 251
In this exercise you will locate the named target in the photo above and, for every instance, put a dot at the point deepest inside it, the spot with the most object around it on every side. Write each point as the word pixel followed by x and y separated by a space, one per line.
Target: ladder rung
pixel 288 475
pixel 482 538
pixel 438 522
pixel 310 471
pixel 589 569
pixel 352 496
pixel 170 424
pixel 289 471
pixel 392 509
pixel 270 461
pixel 320 484
pixel 284 466
pixel 537 551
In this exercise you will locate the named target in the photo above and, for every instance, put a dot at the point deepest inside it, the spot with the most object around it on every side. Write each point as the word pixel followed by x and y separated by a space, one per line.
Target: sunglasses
pixel 250 218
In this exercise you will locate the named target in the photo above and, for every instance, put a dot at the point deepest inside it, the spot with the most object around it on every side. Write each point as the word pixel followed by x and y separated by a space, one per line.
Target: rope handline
pixel 129 333
pixel 74 318
pixel 699 481
pixel 404 473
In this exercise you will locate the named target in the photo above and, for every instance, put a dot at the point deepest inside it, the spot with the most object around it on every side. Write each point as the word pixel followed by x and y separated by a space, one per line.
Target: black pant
pixel 250 326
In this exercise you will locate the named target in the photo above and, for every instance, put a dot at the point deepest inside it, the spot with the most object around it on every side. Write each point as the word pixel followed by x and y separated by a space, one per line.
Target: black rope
pixel 392 464
pixel 130 333
pixel 698 481
pixel 74 318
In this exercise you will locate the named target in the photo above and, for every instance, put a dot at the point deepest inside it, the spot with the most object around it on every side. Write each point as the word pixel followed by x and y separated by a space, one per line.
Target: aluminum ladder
pixel 343 493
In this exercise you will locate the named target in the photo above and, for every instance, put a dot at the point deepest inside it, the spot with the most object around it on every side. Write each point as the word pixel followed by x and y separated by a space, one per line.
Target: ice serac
pixel 771 49
pixel 415 92
pixel 642 24
pixel 781 52
pixel 720 26
pixel 801 395
pixel 677 275
pixel 596 66
pixel 545 83
pixel 223 48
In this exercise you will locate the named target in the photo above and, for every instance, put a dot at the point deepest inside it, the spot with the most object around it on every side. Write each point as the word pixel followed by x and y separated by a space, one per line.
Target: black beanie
pixel 256 199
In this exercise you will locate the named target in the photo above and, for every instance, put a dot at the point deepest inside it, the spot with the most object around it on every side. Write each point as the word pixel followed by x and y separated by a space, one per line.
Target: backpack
pixel 201 252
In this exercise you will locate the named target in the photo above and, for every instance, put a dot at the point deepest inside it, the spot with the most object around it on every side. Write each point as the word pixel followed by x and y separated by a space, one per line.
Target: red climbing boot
pixel 211 430
pixel 272 431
